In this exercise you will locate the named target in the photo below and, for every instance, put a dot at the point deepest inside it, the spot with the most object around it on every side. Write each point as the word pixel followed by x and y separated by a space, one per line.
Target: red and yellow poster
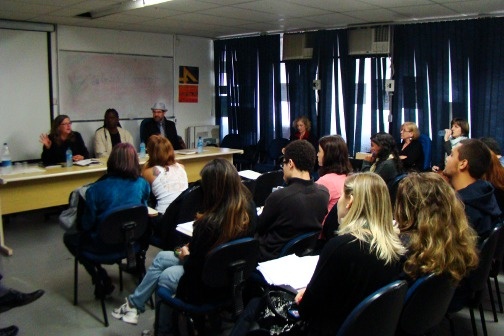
pixel 188 84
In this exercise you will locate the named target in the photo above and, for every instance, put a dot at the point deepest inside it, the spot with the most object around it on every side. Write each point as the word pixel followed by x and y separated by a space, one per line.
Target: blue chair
pixel 426 303
pixel 377 314
pixel 301 245
pixel 394 185
pixel 470 292
pixel 226 266
pixel 119 233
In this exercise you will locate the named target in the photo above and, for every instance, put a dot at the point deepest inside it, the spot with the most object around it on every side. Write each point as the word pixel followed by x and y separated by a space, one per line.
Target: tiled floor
pixel 41 260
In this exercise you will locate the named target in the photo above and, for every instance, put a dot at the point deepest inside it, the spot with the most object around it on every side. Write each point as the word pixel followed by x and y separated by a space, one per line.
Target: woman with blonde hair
pixel 364 257
pixel 411 151
pixel 434 227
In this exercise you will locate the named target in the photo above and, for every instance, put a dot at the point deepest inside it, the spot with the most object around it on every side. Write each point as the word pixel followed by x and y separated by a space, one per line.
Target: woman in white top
pixel 166 176
pixel 110 134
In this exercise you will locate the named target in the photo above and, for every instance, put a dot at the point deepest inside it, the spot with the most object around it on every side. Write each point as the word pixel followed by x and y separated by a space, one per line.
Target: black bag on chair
pixel 269 315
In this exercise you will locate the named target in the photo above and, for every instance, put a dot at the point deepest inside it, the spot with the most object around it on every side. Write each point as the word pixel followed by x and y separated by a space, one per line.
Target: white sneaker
pixel 126 313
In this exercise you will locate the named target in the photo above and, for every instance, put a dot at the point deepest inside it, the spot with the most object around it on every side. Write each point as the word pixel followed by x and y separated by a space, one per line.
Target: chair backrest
pixel 124 226
pixel 182 209
pixel 498 254
pixel 232 141
pixel 275 148
pixel 427 150
pixel 230 265
pixel 479 276
pixel 426 303
pixel 264 185
pixel 377 314
pixel 302 245
pixel 393 185
pixel 331 224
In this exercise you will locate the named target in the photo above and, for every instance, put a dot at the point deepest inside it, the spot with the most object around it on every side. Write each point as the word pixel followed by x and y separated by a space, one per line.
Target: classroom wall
pixel 185 50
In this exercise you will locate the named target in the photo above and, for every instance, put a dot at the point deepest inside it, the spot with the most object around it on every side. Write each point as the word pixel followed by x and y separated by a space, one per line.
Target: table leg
pixel 3 249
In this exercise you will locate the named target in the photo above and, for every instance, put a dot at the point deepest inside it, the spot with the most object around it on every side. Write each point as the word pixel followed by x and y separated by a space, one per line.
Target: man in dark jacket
pixel 298 208
pixel 158 124
pixel 465 166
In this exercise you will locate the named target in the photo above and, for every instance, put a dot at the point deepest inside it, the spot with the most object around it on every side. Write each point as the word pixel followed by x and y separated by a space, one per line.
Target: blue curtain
pixel 426 54
pixel 247 84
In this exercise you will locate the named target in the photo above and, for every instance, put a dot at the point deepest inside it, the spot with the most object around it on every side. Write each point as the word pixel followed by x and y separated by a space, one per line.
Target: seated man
pixel 298 208
pixel 11 298
pixel 465 166
pixel 158 124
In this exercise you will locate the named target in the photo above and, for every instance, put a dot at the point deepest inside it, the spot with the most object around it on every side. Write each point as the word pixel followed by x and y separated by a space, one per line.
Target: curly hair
pixel 304 120
pixel 335 156
pixel 387 146
pixel 302 153
pixel 431 216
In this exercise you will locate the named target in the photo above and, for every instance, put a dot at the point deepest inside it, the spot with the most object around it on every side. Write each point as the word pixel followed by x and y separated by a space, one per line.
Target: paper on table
pixel 87 162
pixel 290 270
pixel 249 174
pixel 186 151
pixel 186 228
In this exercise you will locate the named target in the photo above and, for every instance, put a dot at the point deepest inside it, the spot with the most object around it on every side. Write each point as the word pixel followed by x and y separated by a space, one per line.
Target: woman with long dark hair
pixel 384 158
pixel 229 213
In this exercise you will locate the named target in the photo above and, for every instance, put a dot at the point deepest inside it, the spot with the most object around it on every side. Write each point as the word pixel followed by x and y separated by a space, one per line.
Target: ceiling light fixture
pixel 121 7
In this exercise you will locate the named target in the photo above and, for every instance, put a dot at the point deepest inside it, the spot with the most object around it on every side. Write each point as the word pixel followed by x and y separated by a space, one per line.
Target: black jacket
pixel 149 127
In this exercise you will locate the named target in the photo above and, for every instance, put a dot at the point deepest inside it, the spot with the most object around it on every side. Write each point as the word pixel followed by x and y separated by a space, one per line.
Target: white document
pixel 87 162
pixel 186 228
pixel 186 151
pixel 290 270
pixel 249 174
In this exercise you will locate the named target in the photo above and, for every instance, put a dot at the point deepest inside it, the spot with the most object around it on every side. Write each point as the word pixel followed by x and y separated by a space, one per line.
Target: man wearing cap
pixel 158 124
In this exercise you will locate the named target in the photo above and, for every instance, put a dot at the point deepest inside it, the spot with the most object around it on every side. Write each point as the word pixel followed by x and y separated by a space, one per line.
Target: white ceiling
pixel 223 18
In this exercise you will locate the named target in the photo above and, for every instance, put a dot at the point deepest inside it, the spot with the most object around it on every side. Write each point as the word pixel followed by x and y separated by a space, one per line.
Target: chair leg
pixel 492 301
pixel 483 323
pixel 76 280
pixel 473 322
pixel 452 324
pixel 104 310
pixel 498 294
pixel 120 279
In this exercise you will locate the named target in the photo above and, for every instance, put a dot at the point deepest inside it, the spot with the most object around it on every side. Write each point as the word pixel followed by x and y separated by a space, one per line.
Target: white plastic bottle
pixel 200 145
pixel 69 157
pixel 6 160
pixel 142 150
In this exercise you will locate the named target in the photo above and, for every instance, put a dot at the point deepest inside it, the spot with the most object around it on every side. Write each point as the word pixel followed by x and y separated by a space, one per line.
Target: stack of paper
pixel 186 228
pixel 249 174
pixel 290 270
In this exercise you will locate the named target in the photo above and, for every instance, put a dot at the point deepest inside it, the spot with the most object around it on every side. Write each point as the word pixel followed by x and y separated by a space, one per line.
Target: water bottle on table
pixel 142 150
pixel 200 145
pixel 6 160
pixel 69 158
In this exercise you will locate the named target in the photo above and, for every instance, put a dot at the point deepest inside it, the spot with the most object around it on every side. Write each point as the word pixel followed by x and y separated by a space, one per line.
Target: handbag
pixel 275 315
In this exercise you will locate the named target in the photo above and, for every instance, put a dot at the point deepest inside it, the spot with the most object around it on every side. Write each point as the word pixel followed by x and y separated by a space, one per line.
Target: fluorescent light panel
pixel 121 7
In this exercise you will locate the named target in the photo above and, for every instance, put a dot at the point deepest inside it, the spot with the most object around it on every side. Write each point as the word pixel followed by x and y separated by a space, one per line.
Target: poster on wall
pixel 188 84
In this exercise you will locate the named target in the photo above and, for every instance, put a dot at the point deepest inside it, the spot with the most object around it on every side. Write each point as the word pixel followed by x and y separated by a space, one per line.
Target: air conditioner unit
pixel 364 41
pixel 297 47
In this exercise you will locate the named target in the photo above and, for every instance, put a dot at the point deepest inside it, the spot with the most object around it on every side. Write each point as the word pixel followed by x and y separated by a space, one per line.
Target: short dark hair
pixel 492 144
pixel 123 161
pixel 462 123
pixel 477 155
pixel 302 153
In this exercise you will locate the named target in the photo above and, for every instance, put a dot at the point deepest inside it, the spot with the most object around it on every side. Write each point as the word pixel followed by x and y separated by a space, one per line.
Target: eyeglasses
pixel 66 124
pixel 282 164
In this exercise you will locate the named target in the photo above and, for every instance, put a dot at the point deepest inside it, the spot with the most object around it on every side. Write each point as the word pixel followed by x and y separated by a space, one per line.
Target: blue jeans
pixel 166 270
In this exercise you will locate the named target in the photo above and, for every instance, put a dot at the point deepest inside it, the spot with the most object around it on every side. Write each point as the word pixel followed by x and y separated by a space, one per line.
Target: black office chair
pixel 182 209
pixel 226 266
pixel 474 285
pixel 301 245
pixel 394 185
pixel 377 314
pixel 494 272
pixel 119 233
pixel 426 303
pixel 264 185
pixel 271 161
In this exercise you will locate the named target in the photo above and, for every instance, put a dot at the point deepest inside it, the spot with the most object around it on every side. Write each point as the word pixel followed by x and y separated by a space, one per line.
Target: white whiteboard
pixel 24 92
pixel 90 83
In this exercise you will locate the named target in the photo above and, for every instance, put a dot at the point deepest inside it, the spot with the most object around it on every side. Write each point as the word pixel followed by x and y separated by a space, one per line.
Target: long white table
pixel 51 187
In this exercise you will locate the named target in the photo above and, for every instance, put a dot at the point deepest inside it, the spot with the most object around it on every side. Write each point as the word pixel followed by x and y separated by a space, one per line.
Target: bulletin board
pixel 90 83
